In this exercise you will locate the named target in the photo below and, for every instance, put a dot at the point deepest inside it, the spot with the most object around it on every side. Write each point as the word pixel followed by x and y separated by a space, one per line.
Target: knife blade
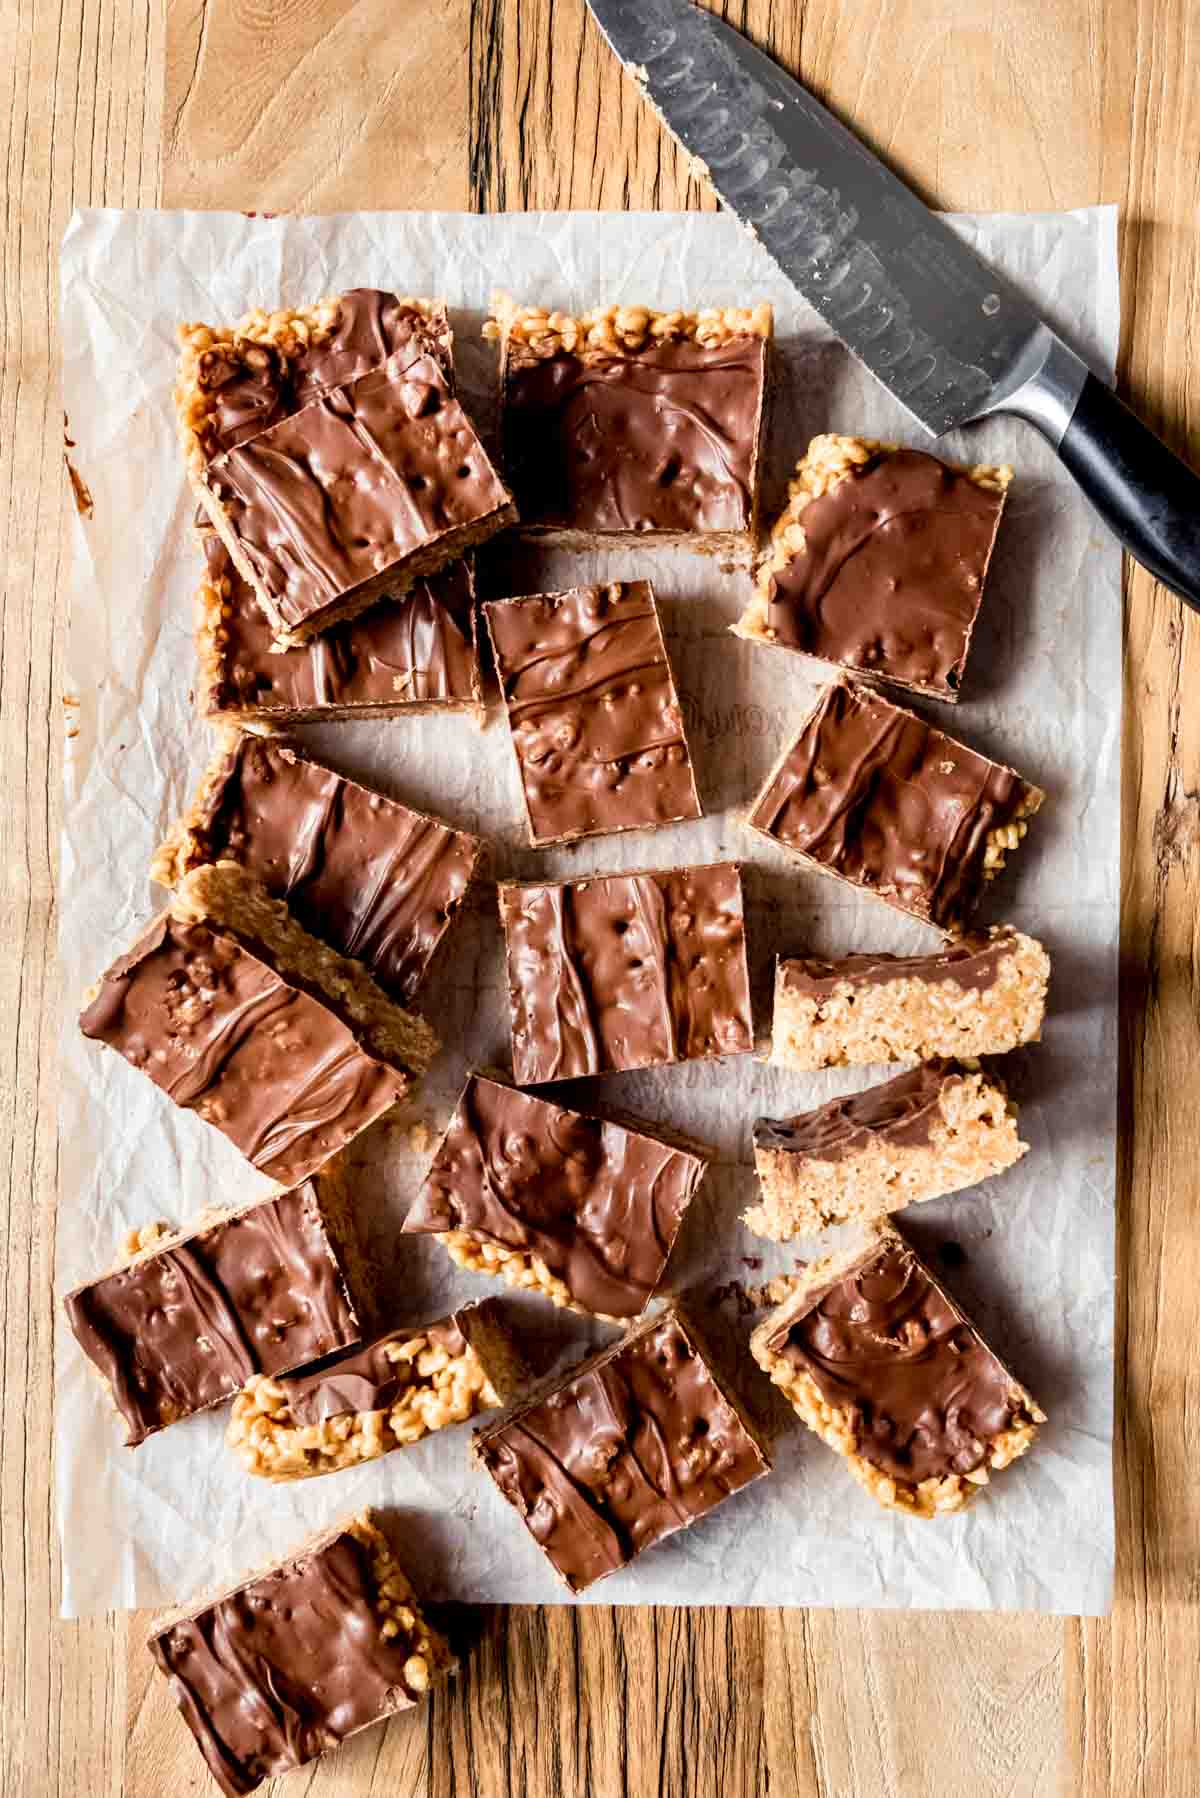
pixel 945 333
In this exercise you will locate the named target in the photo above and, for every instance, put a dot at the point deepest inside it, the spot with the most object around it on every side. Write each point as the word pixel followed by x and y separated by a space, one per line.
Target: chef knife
pixel 947 334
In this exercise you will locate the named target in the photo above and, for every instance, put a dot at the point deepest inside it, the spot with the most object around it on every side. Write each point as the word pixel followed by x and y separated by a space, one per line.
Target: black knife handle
pixel 1139 487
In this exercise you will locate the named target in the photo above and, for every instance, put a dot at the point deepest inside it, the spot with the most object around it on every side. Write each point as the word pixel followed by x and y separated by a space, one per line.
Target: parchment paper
pixel 1033 1250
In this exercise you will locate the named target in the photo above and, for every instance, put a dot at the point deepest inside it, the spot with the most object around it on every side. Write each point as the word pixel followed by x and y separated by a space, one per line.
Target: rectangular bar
pixel 365 874
pixel 595 720
pixel 627 424
pixel 190 1315
pixel 877 1359
pixel 271 1673
pixel 369 1401
pixel 931 1131
pixel 878 562
pixel 582 1209
pixel 982 995
pixel 876 797
pixel 639 1441
pixel 239 1015
pixel 625 971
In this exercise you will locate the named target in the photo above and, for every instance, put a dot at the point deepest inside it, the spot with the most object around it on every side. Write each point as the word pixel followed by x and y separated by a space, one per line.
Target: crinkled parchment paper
pixel 1043 693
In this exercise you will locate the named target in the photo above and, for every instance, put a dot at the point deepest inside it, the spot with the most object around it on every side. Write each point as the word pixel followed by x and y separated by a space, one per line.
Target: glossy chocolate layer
pixel 593 711
pixel 892 570
pixel 973 964
pixel 875 795
pixel 662 439
pixel 599 1203
pixel 365 1379
pixel 226 1036
pixel 419 649
pixel 900 1112
pixel 367 875
pixel 293 1662
pixel 625 970
pixel 184 1328
pixel 637 1444
pixel 926 1393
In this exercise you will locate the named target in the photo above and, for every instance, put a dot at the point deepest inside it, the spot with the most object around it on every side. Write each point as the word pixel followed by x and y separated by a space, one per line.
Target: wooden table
pixel 321 104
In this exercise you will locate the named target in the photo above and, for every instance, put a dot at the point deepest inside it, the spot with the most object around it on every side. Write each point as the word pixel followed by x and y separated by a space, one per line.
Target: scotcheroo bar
pixel 982 995
pixel 581 1209
pixel 367 875
pixel 286 1047
pixel 639 1441
pixel 873 795
pixel 878 563
pixel 189 1316
pixel 331 454
pixel 271 1673
pixel 933 1130
pixel 626 423
pixel 364 1403
pixel 880 1362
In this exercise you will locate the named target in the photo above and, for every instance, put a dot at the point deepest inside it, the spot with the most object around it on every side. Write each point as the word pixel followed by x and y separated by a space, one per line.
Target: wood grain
pixel 318 104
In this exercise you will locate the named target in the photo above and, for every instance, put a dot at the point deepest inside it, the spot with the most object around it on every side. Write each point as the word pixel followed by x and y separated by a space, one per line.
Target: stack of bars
pixel 342 491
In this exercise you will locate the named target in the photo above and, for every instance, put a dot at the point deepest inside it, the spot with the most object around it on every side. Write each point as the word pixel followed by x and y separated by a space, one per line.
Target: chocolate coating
pixel 626 970
pixel 599 1203
pixel 290 1664
pixel 637 1444
pixel 661 439
pixel 892 570
pixel 593 711
pixel 899 1112
pixel 184 1328
pixel 226 1036
pixel 973 963
pixel 364 1379
pixel 871 793
pixel 885 1342
pixel 377 881
pixel 419 648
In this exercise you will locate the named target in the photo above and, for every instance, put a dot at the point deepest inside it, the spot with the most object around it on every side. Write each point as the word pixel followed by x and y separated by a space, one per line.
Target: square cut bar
pixel 271 1673
pixel 627 423
pixel 367 875
pixel 928 1132
pixel 981 995
pixel 286 1047
pixel 878 562
pixel 334 476
pixel 595 719
pixel 879 1361
pixel 412 654
pixel 639 1441
pixel 582 1209
pixel 190 1315
pixel 873 795
pixel 625 971
pixel 368 1401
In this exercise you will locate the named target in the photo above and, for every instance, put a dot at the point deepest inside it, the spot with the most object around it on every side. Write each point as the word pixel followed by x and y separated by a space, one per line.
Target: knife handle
pixel 1139 487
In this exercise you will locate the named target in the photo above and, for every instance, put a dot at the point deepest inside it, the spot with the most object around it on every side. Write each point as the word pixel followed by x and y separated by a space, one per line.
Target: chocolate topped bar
pixel 636 1443
pixel 587 1208
pixel 879 562
pixel 592 708
pixel 272 1673
pixel 881 1363
pixel 627 421
pixel 626 970
pixel 367 875
pixel 874 795
pixel 405 654
pixel 366 1379
pixel 185 1324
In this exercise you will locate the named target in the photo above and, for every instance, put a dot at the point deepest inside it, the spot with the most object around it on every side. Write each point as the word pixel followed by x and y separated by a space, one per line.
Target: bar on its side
pixel 931 1131
pixel 639 1441
pixel 272 1672
pixel 878 1360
